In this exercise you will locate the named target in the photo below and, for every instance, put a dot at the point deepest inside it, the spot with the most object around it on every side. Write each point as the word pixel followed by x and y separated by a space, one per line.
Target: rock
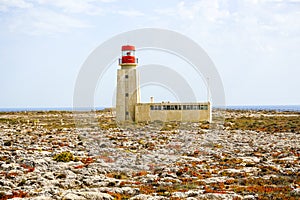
pixel 194 193
pixel 127 161
pixel 249 197
pixel 72 196
pixel 96 196
pixel 7 167
pixel 68 184
pixel 295 192
pixel 130 191
pixel 213 196
pixel 7 183
pixel 250 159
pixel 147 197
pixel 179 195
pixel 87 195
pixel 39 198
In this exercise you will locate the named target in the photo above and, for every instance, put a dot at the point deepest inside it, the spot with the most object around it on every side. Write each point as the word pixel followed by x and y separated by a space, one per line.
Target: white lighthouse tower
pixel 127 85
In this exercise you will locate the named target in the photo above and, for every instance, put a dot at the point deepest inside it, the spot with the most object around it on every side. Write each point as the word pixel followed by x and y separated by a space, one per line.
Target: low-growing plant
pixel 65 157
pixel 23 181
pixel 14 194
pixel 87 160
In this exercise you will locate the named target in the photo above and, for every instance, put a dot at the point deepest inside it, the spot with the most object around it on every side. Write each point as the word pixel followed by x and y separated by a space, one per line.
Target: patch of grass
pixel 12 121
pixel 117 175
pixel 269 124
pixel 108 125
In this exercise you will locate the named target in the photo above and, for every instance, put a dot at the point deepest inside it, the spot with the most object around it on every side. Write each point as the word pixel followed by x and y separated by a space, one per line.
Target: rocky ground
pixel 65 155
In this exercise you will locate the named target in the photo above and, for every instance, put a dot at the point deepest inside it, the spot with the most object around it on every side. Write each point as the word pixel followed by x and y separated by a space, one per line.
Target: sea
pixel 295 108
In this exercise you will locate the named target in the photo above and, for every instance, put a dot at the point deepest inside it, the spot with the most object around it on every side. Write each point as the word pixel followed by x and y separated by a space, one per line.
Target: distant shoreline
pixel 292 108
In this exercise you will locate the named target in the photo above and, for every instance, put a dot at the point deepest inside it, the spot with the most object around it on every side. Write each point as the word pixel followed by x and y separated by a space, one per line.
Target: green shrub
pixel 64 157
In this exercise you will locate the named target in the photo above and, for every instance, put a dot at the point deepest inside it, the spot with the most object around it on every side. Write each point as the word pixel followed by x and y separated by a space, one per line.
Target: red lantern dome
pixel 128 56
pixel 128 48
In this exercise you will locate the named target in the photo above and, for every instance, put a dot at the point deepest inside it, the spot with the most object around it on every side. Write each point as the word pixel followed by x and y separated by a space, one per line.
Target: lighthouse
pixel 127 85
pixel 129 108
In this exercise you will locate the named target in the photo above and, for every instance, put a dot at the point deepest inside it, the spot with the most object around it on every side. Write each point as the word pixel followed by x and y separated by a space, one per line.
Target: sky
pixel 254 45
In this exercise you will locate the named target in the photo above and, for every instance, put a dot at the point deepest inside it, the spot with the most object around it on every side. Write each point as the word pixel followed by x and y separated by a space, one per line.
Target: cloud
pixel 5 5
pixel 44 22
pixel 209 10
pixel 47 17
pixel 38 17
pixel 251 42
pixel 248 20
pixel 89 7
pixel 130 13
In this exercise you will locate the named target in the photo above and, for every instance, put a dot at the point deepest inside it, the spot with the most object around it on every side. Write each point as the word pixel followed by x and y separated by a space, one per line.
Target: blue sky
pixel 254 44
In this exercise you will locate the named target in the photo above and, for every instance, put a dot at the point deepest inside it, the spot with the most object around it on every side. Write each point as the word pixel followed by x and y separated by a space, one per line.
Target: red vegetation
pixel 87 161
pixel 141 173
pixel 27 168
pixel 79 166
pixel 15 194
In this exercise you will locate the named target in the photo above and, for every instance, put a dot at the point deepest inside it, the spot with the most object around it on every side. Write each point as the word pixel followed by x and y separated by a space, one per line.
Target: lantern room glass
pixel 128 53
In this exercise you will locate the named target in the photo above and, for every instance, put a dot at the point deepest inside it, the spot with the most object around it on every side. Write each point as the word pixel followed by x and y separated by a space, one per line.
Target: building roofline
pixel 175 103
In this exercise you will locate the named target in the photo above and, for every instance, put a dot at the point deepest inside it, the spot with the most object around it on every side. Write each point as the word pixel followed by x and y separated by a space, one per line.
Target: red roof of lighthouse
pixel 128 48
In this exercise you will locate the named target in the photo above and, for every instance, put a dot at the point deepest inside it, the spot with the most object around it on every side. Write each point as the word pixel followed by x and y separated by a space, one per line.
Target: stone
pixel 147 197
pixel 295 192
pixel 213 196
pixel 72 196
pixel 179 195
pixel 249 197
pixel 187 162
pixel 40 198
pixel 96 196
